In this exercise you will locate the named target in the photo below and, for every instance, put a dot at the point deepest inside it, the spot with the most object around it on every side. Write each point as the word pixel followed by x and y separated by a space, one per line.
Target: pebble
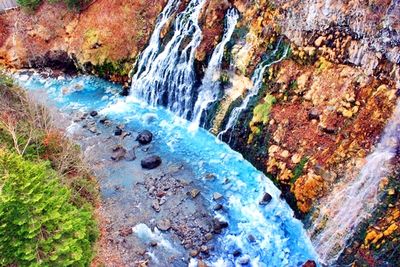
pixel 217 196
pixel 164 225
pixel 194 193
pixel 218 207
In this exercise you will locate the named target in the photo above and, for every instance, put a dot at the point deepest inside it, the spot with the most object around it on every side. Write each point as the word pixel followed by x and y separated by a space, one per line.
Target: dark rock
pixel 218 207
pixel 94 113
pixel 328 129
pixel 145 137
pixel 118 132
pixel 218 225
pixel 124 232
pixel 237 253
pixel 125 90
pixel 164 225
pixel 204 249
pixel 153 243
pixel 119 153
pixel 151 162
pixel 310 263
pixel 313 114
pixel 251 238
pixel 244 260
pixel 266 199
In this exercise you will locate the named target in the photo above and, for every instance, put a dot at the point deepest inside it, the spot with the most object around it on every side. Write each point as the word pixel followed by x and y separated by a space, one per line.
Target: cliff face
pixel 319 113
pixel 104 38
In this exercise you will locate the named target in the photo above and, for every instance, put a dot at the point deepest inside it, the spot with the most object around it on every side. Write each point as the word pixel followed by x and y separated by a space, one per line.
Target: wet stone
pixel 151 162
pixel 217 196
pixel 145 137
pixel 118 132
pixel 156 206
pixel 237 253
pixel 266 199
pixel 194 193
pixel 164 225
pixel 251 238
pixel 94 113
pixel 218 207
pixel 193 253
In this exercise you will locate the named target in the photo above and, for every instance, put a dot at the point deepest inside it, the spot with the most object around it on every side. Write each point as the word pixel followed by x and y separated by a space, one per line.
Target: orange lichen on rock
pixel 307 189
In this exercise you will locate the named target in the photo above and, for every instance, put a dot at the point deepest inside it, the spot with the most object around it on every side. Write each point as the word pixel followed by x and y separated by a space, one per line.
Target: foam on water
pixel 280 239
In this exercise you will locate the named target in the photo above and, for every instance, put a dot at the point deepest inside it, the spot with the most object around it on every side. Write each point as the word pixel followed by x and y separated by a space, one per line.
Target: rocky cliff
pixel 319 113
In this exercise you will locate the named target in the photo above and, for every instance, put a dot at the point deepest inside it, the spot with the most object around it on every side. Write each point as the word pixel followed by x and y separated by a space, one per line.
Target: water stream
pixel 266 235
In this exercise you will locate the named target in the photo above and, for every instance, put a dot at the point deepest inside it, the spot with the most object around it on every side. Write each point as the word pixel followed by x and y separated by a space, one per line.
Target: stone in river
pixel 266 199
pixel 151 162
pixel 164 225
pixel 310 263
pixel 118 154
pixel 145 137
pixel 93 113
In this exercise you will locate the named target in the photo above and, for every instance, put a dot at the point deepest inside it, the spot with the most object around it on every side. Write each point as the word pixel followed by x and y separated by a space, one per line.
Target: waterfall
pixel 167 78
pixel 208 92
pixel 354 199
pixel 149 54
pixel 257 80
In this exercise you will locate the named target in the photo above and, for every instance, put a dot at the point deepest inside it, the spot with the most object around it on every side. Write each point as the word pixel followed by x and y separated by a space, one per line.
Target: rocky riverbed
pixel 156 215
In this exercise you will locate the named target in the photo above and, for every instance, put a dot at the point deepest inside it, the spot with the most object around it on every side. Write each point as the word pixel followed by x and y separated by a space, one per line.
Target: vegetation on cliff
pixel 47 196
pixel 72 4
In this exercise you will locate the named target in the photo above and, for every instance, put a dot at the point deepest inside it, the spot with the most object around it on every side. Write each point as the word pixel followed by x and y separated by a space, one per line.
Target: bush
pixel 38 224
pixel 71 4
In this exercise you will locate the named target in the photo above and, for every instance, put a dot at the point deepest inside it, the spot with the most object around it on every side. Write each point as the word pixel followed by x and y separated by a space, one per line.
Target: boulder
pixel 94 113
pixel 151 162
pixel 145 137
pixel 266 199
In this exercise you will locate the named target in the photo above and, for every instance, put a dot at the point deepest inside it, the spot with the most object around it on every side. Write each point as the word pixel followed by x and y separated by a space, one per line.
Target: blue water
pixel 280 238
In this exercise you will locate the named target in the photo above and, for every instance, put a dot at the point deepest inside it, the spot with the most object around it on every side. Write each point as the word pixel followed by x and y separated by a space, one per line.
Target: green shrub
pixel 29 4
pixel 71 4
pixel 38 224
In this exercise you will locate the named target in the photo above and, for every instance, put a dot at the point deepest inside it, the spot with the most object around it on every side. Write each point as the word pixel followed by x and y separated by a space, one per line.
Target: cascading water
pixel 208 92
pixel 168 78
pixel 257 80
pixel 150 53
pixel 354 199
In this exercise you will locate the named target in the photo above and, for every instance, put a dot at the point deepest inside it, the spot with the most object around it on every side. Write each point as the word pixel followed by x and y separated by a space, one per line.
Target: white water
pixel 169 77
pixel 149 54
pixel 354 199
pixel 208 92
pixel 257 80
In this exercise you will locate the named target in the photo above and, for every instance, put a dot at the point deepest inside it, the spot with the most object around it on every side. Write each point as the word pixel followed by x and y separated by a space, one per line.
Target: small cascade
pixel 354 199
pixel 208 92
pixel 257 80
pixel 167 78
